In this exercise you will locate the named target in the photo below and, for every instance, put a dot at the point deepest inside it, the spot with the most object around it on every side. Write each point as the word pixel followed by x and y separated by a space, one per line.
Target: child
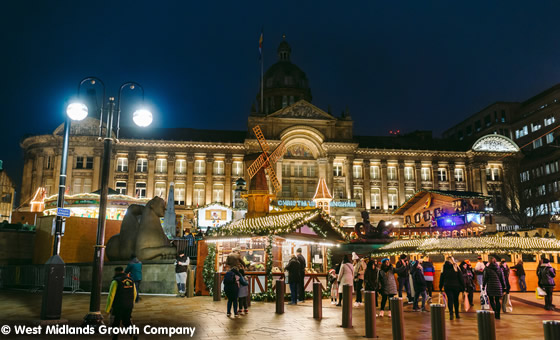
pixel 334 286
pixel 243 292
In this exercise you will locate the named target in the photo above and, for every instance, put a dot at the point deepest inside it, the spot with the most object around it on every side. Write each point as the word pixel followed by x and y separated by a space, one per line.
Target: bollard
pixel 217 291
pixel 317 300
pixel 438 321
pixel 190 283
pixel 249 289
pixel 280 292
pixel 370 298
pixel 347 306
pixel 397 316
pixel 486 325
pixel 551 330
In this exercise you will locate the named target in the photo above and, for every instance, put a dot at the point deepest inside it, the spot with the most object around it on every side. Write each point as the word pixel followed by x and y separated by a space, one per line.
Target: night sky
pixel 395 65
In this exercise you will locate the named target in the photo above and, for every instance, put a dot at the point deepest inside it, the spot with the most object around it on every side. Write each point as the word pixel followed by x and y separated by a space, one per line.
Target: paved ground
pixel 211 322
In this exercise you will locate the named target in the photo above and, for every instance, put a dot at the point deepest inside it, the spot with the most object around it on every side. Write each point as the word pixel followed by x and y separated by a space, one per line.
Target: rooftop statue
pixel 141 234
pixel 382 230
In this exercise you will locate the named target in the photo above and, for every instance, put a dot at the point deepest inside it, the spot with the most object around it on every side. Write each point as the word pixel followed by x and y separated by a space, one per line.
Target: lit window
pixel 442 175
pixel 179 193
pixel 459 175
pixel 141 189
pixel 218 167
pixel 122 164
pixel 426 174
pixel 549 120
pixel 180 166
pixel 218 193
pixel 550 138
pixel 237 168
pixel 357 171
pixel 311 171
pixel 87 185
pixel 142 165
pixel 375 198
pixel 535 126
pixel 286 170
pixel 408 173
pixel 77 186
pixel 198 194
pixel 79 162
pixel 160 190
pixel 391 173
pixel 537 143
pixel 337 169
pixel 492 174
pixel 121 188
pixel 89 163
pixel 161 166
pixel 339 191
pixel 199 167
pixel 392 196
pixel 298 170
pixel 374 172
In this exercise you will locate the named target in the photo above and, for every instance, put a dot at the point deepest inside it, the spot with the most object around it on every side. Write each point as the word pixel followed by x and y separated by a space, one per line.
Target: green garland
pixel 269 294
pixel 209 267
pixel 327 291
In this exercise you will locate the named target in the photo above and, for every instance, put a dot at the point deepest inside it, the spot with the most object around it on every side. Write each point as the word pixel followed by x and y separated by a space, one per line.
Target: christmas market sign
pixel 310 203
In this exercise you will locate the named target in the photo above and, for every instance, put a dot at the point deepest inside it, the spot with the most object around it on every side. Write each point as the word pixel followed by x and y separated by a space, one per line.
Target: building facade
pixel 7 193
pixel 362 172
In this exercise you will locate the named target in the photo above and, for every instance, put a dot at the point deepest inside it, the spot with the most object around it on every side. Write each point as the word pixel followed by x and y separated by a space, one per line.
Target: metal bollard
pixel 347 306
pixel 190 283
pixel 217 291
pixel 551 330
pixel 280 293
pixel 397 315
pixel 317 301
pixel 486 325
pixel 370 311
pixel 438 321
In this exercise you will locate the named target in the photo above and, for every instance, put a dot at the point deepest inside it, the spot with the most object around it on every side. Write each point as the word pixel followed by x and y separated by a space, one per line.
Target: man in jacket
pixel 134 268
pixel 302 266
pixel 419 286
pixel 293 269
pixel 429 271
pixel 402 270
pixel 181 264
pixel 479 270
pixel 546 274
pixel 120 301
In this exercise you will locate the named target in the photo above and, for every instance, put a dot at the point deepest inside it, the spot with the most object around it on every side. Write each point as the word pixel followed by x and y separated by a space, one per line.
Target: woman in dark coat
pixel 468 279
pixel 293 269
pixel 388 284
pixel 370 278
pixel 451 280
pixel 495 284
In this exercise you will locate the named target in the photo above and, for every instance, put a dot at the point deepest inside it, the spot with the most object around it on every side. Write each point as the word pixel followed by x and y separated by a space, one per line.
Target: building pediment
pixel 302 110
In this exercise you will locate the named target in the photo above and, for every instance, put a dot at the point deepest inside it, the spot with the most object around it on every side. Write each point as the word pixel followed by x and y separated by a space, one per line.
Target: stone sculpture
pixel 141 234
pixel 369 231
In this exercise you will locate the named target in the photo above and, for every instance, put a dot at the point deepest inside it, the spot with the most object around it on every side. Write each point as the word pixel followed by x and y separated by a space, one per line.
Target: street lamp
pixel 55 268
pixel 142 118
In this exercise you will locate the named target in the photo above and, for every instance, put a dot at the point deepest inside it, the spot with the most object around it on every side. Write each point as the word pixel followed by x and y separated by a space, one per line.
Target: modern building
pixel 533 125
pixel 377 173
pixel 7 192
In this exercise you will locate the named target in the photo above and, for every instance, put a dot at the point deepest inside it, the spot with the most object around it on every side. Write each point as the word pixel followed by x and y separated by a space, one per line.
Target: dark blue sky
pixel 407 65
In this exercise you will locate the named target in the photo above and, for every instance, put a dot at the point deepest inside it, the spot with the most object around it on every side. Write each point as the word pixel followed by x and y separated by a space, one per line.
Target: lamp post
pixel 54 268
pixel 142 118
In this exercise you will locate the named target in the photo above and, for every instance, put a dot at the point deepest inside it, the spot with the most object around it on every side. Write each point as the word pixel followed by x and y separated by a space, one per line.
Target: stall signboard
pixel 214 215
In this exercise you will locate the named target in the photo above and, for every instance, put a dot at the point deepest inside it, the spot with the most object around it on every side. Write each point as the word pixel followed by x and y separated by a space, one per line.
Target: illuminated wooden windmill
pixel 258 198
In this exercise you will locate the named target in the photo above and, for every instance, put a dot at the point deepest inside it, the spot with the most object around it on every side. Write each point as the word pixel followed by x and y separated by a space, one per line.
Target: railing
pixel 32 277
pixel 188 246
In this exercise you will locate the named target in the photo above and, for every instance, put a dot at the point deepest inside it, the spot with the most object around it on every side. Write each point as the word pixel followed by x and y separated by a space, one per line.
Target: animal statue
pixel 369 231
pixel 142 234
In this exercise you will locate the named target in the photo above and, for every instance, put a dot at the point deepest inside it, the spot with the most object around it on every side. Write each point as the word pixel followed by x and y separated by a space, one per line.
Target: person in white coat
pixel 345 277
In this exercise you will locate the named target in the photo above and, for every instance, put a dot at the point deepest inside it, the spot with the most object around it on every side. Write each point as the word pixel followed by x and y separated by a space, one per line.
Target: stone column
pixel 451 174
pixel 469 175
pixel 151 175
pixel 26 181
pixel 190 184
pixel 130 186
pixel 322 168
pixel 38 180
pixel 384 196
pixel 227 185
pixel 400 178
pixel 476 179
pixel 97 169
pixel 418 178
pixel 435 182
pixel 348 163
pixel 483 184
pixel 329 178
pixel 367 185
pixel 209 179
pixel 279 172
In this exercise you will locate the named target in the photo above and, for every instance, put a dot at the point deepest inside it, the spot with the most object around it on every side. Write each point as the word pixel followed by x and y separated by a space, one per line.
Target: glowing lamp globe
pixel 77 111
pixel 142 118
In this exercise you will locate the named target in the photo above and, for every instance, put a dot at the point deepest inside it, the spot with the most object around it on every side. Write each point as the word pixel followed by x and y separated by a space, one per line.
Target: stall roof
pixel 473 244
pixel 423 192
pixel 283 224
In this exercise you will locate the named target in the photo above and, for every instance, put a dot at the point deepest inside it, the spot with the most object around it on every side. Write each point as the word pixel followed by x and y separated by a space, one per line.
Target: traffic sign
pixel 63 212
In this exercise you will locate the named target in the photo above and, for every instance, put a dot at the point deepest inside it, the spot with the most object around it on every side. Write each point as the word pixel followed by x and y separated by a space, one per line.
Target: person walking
pixel 371 278
pixel 231 289
pixel 505 270
pixel 242 294
pixel 359 270
pixel 134 268
pixel 419 283
pixel 294 271
pixel 345 277
pixel 494 282
pixel 388 284
pixel 546 275
pixel 451 280
pixel 120 301
pixel 429 271
pixel 334 285
pixel 468 280
pixel 520 272
pixel 479 270
pixel 403 271
pixel 302 266
pixel 181 264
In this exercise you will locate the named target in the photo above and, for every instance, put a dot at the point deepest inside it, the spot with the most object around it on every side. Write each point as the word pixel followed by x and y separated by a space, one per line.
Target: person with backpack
pixel 495 285
pixel 134 268
pixel 294 271
pixel 232 281
pixel 546 275
pixel 120 301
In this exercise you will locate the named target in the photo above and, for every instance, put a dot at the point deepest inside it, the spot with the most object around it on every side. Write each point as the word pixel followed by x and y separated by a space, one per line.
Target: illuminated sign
pixel 308 203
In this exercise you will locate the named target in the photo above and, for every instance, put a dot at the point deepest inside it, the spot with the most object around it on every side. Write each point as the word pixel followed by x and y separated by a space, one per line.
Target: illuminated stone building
pixel 7 192
pixel 362 172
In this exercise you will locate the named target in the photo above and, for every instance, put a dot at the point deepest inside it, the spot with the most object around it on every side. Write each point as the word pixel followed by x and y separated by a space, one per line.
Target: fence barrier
pixel 32 277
